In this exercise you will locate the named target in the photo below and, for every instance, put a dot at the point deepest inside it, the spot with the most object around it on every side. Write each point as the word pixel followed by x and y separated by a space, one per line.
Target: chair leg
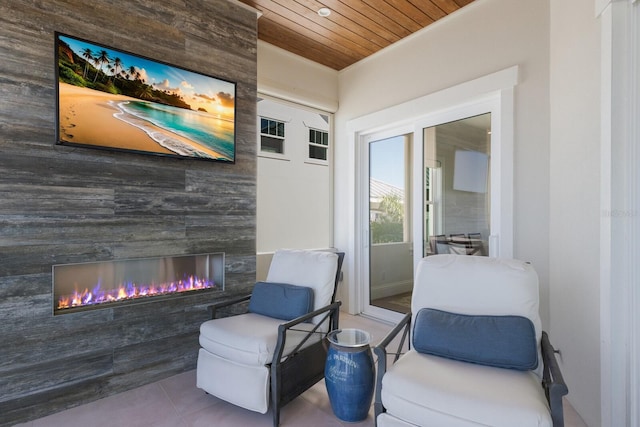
pixel 275 394
pixel 276 416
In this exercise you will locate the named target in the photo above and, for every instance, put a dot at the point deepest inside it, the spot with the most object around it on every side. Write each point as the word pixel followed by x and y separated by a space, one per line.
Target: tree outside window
pixel 387 227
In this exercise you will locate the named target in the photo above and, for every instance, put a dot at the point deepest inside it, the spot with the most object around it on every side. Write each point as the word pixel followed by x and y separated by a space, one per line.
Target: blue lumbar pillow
pixel 500 341
pixel 281 300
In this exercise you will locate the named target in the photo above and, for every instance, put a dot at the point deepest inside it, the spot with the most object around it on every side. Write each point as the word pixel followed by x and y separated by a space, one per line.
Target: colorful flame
pixel 129 291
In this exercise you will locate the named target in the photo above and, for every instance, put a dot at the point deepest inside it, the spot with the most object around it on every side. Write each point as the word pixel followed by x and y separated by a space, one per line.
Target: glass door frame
pixel 497 89
pixel 363 204
pixel 501 195
pixel 501 176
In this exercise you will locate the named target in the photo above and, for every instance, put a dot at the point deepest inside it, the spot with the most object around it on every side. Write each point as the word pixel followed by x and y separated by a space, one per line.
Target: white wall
pixel 555 159
pixel 293 78
pixel 391 269
pixel 574 250
pixel 482 38
pixel 294 193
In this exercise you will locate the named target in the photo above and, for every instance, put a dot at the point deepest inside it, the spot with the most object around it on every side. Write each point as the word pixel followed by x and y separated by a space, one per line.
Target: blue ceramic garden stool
pixel 349 374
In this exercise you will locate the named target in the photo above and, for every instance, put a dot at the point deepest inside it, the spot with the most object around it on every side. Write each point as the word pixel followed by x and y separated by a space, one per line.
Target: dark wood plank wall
pixel 60 204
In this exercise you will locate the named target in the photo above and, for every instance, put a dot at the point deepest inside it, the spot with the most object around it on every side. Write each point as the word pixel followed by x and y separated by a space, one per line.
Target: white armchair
pixel 477 354
pixel 277 350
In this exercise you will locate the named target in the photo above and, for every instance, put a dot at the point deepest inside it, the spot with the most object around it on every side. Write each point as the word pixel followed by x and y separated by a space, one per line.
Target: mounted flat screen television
pixel 112 99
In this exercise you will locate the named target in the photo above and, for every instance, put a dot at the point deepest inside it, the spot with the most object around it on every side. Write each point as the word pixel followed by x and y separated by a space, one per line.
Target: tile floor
pixel 176 402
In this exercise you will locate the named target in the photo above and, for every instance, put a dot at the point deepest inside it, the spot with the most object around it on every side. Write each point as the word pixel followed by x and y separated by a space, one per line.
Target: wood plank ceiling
pixel 354 30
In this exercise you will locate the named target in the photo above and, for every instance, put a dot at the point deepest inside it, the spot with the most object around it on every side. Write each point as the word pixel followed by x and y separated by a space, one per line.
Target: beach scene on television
pixel 116 100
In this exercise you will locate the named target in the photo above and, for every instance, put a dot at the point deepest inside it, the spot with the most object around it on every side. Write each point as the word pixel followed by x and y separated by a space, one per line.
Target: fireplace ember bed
pixel 93 285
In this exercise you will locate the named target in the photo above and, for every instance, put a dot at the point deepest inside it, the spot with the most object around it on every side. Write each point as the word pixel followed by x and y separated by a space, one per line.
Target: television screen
pixel 112 99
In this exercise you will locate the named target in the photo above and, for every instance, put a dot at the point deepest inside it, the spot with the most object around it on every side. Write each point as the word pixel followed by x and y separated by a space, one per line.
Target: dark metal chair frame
pixel 439 238
pixel 475 244
pixel 295 373
pixel 552 380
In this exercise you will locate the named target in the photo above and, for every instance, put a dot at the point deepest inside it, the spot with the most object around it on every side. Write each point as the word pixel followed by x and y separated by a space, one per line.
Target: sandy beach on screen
pixel 86 117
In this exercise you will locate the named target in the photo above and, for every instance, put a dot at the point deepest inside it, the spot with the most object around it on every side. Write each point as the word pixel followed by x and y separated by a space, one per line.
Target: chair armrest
pixel 334 306
pixel 382 345
pixel 381 352
pixel 552 381
pixel 332 310
pixel 213 308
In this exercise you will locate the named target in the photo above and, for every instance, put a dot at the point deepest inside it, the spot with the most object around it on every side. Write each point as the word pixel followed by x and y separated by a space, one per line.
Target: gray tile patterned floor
pixel 176 402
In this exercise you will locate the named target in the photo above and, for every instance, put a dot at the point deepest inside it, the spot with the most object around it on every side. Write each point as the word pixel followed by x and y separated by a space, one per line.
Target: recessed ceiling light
pixel 324 12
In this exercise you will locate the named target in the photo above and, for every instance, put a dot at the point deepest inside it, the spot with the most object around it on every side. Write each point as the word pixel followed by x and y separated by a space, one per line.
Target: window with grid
pixel 271 136
pixel 318 144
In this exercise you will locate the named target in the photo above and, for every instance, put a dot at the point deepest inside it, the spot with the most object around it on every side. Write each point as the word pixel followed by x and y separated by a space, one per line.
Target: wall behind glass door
pixel 390 226
pixel 456 187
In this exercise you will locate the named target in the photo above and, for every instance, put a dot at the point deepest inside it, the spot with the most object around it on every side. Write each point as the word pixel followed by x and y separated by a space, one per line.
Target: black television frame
pixel 131 131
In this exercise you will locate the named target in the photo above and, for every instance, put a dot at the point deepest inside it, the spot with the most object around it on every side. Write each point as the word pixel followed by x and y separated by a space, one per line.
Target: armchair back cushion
pixel 281 300
pixel 500 341
pixel 478 286
pixel 312 269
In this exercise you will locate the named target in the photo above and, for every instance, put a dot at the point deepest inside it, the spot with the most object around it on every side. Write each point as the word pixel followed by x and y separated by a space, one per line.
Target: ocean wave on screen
pixel 163 138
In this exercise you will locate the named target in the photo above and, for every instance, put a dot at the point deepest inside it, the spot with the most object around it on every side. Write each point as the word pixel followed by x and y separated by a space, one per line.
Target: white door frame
pixel 501 173
pixel 499 87
pixel 362 206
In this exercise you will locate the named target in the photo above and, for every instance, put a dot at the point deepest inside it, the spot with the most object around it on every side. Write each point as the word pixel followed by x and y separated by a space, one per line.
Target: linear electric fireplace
pixel 85 286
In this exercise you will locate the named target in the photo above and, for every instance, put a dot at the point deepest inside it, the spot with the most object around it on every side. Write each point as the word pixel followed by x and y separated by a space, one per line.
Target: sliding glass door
pixel 434 187
pixel 390 222
pixel 457 191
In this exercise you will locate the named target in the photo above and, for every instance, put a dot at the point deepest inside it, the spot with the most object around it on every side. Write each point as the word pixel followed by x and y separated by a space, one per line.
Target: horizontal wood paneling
pixel 354 30
pixel 61 204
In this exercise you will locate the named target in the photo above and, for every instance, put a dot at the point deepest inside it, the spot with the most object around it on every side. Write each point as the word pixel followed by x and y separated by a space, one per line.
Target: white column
pixel 620 219
pixel 633 141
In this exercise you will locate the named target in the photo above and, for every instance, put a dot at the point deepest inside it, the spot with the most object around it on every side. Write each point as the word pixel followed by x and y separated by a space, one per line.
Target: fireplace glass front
pixel 84 286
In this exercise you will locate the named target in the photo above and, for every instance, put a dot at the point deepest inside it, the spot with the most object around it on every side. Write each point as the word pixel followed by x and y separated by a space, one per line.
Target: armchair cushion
pixel 422 389
pixel 499 341
pixel 478 286
pixel 281 300
pixel 315 269
pixel 250 338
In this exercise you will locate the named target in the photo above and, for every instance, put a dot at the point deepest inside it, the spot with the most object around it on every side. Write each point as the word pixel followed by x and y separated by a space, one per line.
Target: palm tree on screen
pixel 100 60
pixel 88 55
pixel 145 92
pixel 116 69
